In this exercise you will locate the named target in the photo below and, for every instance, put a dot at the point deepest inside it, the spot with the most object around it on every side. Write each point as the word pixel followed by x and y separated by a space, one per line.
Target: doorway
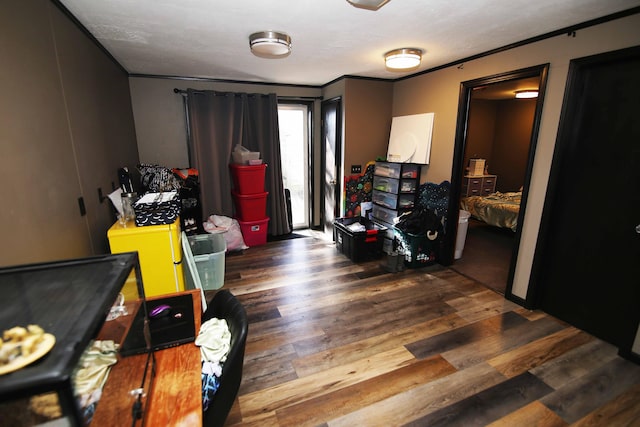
pixel 483 132
pixel 331 159
pixel 294 124
pixel 586 269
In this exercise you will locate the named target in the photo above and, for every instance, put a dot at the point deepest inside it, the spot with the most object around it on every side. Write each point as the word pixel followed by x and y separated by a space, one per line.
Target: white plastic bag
pixel 230 229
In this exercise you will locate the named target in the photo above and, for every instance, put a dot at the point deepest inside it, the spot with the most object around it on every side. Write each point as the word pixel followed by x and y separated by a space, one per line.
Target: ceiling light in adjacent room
pixel 403 59
pixel 369 4
pixel 270 44
pixel 524 94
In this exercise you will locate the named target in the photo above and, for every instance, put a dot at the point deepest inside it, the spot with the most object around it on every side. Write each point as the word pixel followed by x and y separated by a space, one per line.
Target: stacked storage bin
pixel 250 201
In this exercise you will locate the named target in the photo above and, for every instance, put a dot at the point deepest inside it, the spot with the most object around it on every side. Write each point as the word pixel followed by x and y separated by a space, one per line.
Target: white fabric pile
pixel 230 229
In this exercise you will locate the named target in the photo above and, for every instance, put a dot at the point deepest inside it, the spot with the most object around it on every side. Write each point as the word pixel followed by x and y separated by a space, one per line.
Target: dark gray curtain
pixel 217 122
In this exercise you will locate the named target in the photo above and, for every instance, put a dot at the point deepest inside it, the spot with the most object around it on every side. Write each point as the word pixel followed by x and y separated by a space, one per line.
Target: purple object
pixel 161 310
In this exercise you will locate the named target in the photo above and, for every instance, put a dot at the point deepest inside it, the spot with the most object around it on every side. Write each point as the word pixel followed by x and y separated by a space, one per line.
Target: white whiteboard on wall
pixel 410 139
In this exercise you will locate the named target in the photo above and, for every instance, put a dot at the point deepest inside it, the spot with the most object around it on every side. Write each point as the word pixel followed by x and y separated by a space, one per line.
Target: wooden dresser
pixel 480 185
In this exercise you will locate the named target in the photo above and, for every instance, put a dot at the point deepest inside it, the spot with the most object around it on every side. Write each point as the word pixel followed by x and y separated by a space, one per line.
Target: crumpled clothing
pixel 92 373
pixel 88 378
pixel 212 368
pixel 93 368
pixel 214 340
pixel 210 385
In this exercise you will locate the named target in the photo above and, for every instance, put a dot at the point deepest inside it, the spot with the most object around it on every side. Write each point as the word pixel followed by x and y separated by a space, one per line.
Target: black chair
pixel 224 305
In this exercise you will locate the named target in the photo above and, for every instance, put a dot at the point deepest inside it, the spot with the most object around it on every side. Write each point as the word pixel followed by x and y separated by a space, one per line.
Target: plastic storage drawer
pixel 384 214
pixel 408 185
pixel 389 185
pixel 406 201
pixel 409 170
pixel 389 170
pixel 385 199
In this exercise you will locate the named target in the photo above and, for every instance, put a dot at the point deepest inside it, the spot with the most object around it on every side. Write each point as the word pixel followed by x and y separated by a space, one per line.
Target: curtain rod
pixel 183 92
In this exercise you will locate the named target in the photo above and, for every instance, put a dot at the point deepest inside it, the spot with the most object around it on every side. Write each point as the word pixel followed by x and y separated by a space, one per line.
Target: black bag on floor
pixel 419 221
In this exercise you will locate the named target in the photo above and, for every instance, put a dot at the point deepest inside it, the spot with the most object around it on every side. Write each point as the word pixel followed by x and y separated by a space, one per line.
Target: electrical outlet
pixel 356 168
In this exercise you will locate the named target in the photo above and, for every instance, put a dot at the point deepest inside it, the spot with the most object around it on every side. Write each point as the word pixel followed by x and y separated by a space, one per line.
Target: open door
pixel 459 161
pixel 331 160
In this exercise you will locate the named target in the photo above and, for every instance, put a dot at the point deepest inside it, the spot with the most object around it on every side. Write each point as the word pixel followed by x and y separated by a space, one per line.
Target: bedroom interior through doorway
pixel 486 85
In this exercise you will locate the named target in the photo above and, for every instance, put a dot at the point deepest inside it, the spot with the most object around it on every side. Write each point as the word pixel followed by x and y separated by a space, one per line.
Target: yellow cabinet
pixel 159 250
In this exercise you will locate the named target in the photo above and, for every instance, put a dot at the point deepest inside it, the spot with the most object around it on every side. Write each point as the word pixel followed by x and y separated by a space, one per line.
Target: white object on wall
pixel 410 139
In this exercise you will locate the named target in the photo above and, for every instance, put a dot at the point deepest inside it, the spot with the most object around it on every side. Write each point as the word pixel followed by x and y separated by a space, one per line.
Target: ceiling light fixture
pixel 369 4
pixel 270 44
pixel 403 59
pixel 525 94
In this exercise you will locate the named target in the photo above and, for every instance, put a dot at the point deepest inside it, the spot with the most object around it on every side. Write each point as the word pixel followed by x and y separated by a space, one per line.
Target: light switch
pixel 356 168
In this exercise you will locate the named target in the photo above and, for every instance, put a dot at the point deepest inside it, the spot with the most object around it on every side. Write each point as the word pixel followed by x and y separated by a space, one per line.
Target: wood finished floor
pixel 333 343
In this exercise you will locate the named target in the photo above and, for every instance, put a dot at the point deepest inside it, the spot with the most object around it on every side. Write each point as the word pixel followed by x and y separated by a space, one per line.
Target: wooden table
pixel 176 393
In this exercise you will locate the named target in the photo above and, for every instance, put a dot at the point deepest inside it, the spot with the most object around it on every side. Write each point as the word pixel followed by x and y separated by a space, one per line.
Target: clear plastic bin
pixel 205 255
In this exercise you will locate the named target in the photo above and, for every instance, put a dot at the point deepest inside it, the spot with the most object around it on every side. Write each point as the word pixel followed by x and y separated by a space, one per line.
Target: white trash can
pixel 463 225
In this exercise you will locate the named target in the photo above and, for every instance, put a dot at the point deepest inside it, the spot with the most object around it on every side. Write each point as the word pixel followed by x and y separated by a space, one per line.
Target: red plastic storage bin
pixel 250 207
pixel 248 179
pixel 254 232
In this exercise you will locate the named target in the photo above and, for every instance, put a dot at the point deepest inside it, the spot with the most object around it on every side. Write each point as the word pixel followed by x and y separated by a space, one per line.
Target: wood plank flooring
pixel 333 343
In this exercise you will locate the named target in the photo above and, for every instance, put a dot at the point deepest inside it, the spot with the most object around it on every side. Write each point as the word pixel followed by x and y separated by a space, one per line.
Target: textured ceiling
pixel 330 38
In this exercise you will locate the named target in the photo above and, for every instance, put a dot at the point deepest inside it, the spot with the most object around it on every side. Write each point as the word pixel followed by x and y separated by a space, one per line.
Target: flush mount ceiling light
pixel 270 44
pixel 403 59
pixel 524 94
pixel 369 4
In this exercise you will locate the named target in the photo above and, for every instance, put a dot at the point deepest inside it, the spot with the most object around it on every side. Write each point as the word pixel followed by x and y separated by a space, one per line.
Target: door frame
pixel 338 159
pixel 466 90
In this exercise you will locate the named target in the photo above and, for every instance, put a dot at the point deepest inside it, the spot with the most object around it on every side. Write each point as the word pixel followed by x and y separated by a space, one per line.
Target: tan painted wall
pixel 511 144
pixel 367 121
pixel 481 132
pixel 65 126
pixel 438 92
pixel 500 132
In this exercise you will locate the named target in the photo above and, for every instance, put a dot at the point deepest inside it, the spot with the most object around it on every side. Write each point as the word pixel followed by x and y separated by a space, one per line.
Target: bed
pixel 496 209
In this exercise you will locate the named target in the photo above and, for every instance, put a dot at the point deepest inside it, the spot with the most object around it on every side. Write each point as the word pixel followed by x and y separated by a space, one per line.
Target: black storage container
pixel 359 245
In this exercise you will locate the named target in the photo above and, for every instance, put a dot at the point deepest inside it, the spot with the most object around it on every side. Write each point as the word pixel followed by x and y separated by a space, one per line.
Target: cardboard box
pixel 476 167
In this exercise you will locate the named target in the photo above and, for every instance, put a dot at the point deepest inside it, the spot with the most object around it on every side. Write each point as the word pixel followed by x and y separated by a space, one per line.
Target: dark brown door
pixel 587 265
pixel 331 149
